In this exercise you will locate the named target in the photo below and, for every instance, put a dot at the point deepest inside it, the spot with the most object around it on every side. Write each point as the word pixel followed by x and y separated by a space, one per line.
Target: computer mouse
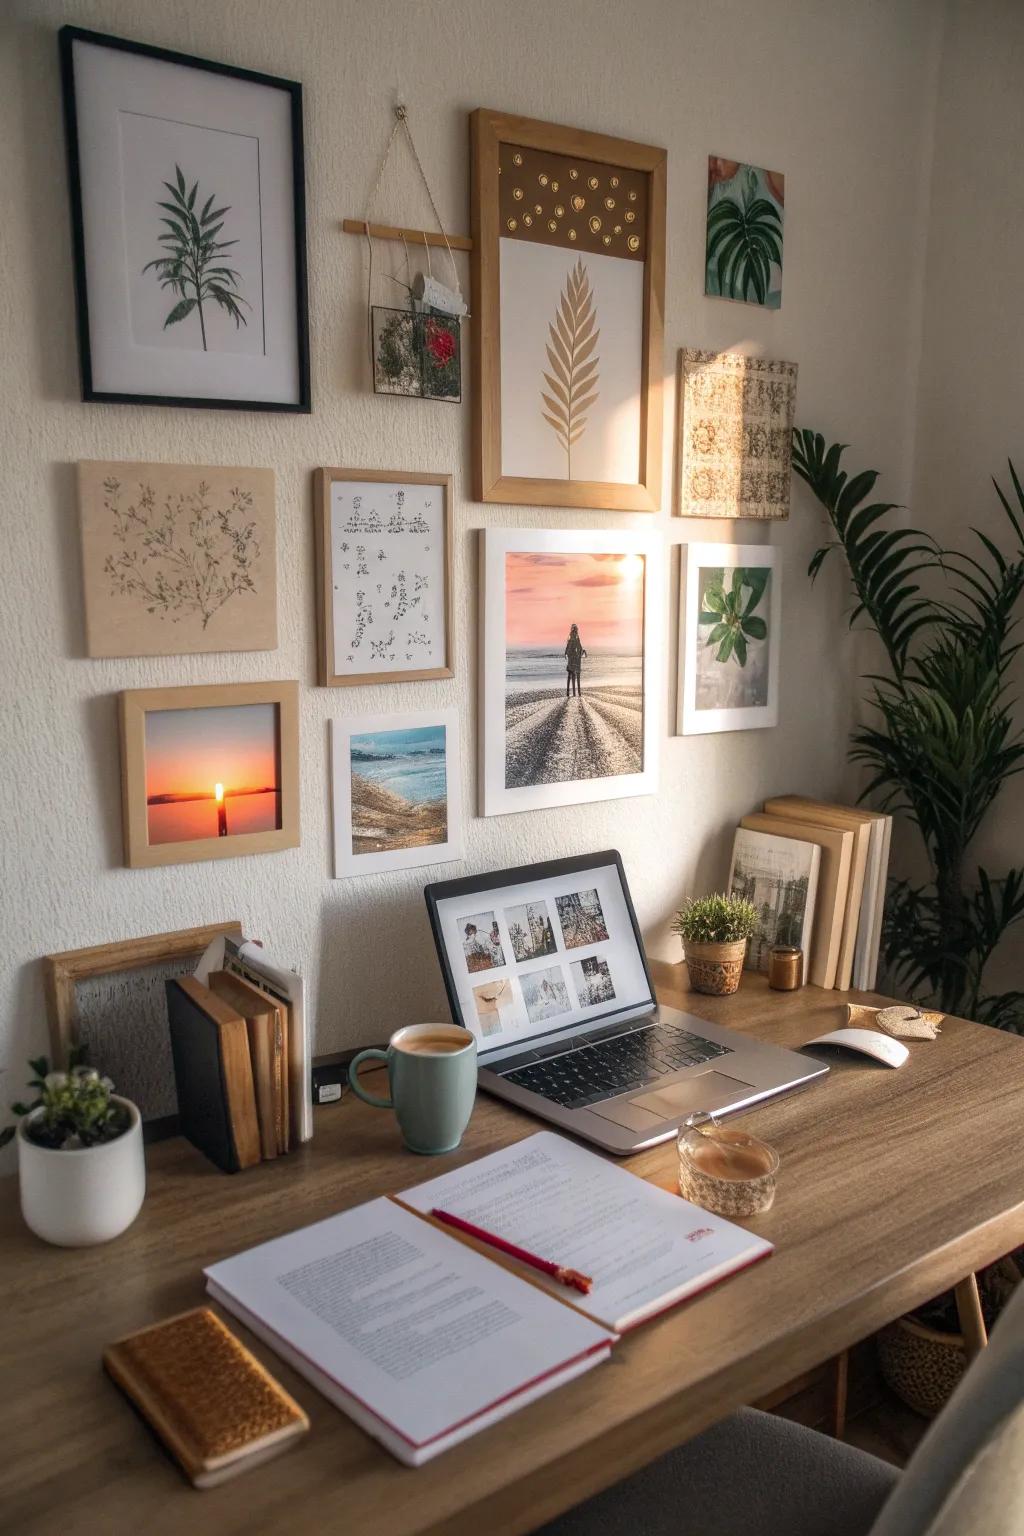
pixel 866 1042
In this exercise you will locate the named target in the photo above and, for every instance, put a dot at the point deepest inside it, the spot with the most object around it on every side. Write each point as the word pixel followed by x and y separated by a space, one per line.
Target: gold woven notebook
pixel 211 1402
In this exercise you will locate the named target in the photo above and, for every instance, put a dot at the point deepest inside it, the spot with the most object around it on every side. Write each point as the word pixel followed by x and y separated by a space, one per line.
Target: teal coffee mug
pixel 432 1077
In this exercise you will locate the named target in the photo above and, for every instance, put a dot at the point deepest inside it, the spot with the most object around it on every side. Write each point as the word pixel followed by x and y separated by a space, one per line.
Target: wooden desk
pixel 893 1186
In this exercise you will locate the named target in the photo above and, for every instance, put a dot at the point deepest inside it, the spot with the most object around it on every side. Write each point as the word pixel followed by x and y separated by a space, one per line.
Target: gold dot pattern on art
pixel 603 209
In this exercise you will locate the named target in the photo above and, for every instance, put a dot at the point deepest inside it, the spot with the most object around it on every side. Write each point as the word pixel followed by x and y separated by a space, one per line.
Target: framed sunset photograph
pixel 210 772
pixel 569 667
pixel 396 791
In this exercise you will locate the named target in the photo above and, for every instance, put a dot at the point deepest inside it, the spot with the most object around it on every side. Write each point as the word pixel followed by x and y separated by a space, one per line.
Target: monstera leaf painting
pixel 728 607
pixel 570 389
pixel 744 240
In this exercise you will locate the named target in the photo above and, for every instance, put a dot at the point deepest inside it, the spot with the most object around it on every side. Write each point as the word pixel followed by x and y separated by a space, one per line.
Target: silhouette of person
pixel 574 654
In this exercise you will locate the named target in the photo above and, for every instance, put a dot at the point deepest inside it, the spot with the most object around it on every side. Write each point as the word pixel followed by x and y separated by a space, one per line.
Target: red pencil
pixel 564 1276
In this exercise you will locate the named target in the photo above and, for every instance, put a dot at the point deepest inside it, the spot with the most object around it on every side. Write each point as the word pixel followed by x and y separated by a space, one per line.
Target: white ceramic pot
pixel 86 1195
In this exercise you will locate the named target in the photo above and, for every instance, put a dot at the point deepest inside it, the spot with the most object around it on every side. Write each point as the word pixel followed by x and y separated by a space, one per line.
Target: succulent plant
pixel 717 919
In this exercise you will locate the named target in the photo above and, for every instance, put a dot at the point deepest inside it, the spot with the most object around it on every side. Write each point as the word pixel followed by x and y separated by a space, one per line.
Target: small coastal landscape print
pixel 733 637
pixel 545 994
pixel 530 931
pixel 212 772
pixel 399 789
pixel 481 942
pixel 746 207
pixel 593 981
pixel 574 666
pixel 581 918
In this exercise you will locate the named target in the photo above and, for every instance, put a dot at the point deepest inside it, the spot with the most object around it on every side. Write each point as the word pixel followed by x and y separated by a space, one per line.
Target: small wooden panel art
pixel 177 559
pixel 384 545
pixel 735 434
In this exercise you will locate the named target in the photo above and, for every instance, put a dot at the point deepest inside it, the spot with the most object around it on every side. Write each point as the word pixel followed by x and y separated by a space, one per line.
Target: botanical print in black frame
pixel 189 228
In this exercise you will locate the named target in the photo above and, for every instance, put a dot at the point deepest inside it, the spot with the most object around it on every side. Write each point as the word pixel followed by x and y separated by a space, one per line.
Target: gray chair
pixel 758 1475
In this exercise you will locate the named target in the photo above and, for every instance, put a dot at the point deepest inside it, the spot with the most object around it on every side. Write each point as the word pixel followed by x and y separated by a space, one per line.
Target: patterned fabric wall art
pixel 744 245
pixel 735 434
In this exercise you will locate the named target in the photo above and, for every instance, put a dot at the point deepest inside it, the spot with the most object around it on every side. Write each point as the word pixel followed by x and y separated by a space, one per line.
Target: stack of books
pixel 240 1060
pixel 816 873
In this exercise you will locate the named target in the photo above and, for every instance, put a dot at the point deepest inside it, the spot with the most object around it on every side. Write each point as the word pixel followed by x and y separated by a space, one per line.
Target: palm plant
pixel 731 614
pixel 193 267
pixel 942 741
pixel 744 239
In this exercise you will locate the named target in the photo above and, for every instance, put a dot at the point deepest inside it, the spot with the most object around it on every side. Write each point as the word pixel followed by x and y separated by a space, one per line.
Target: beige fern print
pixel 572 381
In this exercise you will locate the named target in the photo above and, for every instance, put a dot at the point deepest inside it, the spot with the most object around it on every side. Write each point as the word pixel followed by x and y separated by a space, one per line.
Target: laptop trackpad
pixel 709 1090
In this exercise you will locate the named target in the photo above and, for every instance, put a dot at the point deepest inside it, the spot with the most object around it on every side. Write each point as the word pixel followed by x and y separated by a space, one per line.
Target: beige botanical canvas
pixel 177 559
pixel 735 434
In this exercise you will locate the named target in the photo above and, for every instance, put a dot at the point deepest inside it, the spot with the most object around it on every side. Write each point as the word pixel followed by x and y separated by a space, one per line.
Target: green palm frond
pixel 883 562
pixel 941 741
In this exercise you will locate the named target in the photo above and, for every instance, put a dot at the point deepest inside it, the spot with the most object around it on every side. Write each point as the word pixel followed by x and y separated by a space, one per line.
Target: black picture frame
pixel 67 37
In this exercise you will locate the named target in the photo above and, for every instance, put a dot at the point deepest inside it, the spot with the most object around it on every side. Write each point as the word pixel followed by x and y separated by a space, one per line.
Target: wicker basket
pixel 920 1364
pixel 715 968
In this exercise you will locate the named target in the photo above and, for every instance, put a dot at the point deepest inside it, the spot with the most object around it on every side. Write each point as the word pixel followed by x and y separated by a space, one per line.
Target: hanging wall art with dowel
pixel 415 349
pixel 568 293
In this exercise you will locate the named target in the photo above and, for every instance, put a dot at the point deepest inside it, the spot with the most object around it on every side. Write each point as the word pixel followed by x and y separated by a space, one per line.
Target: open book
pixel 424 1339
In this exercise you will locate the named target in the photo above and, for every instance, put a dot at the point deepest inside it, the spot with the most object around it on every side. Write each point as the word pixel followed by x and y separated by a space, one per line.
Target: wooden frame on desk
pixel 496 138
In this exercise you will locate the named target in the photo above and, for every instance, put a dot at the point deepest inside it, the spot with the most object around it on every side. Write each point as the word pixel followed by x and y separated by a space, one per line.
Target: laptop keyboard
pixel 576 1075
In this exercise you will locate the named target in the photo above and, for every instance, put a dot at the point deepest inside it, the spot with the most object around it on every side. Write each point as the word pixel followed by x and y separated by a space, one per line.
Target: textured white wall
pixel 970 417
pixel 833 94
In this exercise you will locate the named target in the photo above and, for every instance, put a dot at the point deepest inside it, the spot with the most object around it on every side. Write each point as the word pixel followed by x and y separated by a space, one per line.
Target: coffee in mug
pixel 432 1081
pixel 430 1045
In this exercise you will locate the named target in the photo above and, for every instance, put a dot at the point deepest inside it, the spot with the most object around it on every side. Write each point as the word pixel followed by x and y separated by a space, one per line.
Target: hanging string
pixel 401 122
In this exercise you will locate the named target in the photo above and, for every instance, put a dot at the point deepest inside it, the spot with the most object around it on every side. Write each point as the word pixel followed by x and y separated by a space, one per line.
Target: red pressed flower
pixel 440 343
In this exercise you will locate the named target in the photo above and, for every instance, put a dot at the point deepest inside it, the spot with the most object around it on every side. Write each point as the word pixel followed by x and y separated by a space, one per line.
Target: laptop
pixel 545 966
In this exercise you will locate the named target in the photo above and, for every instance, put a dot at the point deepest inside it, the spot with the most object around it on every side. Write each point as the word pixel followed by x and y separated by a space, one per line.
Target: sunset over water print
pixel 212 772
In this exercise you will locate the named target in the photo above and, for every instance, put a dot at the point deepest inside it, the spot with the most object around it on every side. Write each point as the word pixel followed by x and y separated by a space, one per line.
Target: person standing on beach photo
pixel 574 654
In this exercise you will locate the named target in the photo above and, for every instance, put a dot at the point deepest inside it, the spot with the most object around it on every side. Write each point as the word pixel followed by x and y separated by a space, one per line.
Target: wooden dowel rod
pixel 411 236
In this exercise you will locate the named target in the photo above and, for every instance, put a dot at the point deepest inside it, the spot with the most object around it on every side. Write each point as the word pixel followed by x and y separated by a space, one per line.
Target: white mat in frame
pixel 730 615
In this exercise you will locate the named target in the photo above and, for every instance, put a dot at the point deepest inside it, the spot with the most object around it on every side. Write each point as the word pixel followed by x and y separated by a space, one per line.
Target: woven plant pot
pixel 920 1364
pixel 715 968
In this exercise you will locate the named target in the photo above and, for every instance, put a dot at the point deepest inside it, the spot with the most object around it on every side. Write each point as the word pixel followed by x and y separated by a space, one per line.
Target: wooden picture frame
pixel 242 132
pixel 141 802
pixel 62 973
pixel 546 152
pixel 390 525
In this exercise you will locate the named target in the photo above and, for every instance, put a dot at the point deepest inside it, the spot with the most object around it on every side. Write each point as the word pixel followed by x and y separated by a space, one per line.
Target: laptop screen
pixel 531 951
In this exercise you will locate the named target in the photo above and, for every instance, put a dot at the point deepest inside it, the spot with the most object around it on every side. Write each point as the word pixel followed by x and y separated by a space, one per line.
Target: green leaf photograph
pixel 193 266
pixel 744 239
pixel 733 633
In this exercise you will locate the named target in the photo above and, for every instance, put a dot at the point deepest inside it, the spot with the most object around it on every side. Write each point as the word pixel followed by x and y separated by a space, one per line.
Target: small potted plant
pixel 714 931
pixel 80 1160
